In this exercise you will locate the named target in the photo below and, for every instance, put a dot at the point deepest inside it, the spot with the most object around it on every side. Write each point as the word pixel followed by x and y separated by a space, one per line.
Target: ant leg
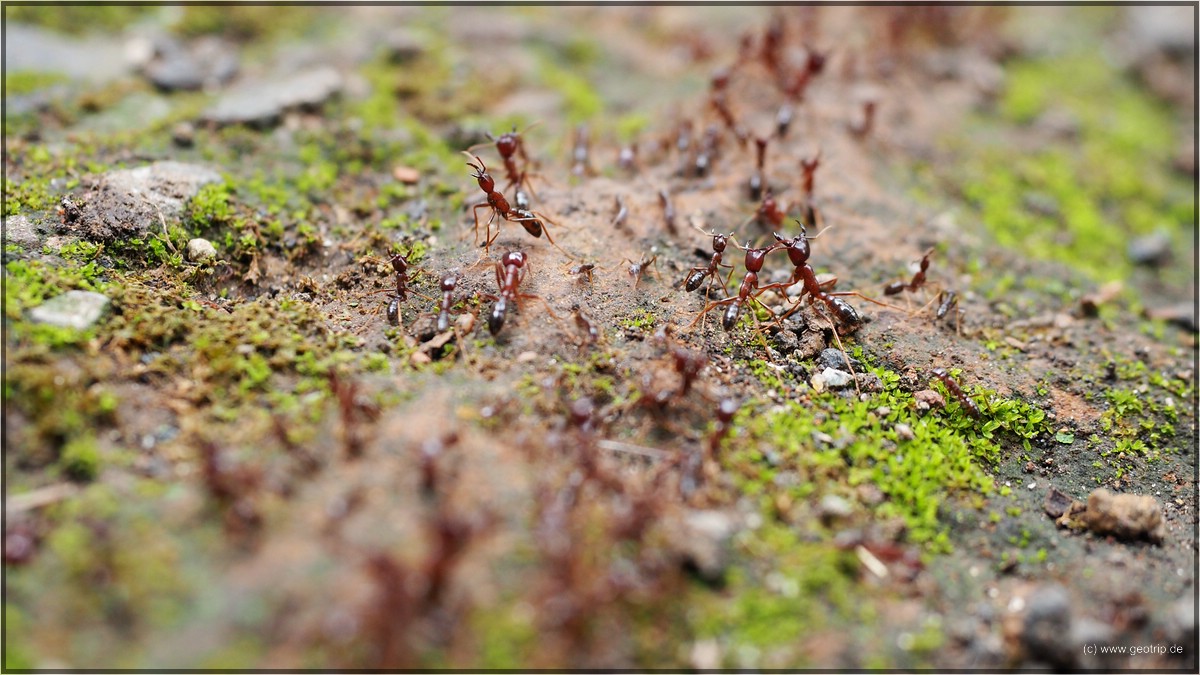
pixel 870 299
pixel 709 307
pixel 550 310
pixel 548 237
pixel 475 213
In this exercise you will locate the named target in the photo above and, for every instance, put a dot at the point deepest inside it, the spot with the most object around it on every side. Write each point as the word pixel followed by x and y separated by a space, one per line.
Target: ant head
pixel 450 281
pixel 506 145
pixel 720 241
pixel 726 410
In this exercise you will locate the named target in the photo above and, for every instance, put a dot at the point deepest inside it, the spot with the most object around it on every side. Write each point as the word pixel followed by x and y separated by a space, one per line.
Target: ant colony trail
pixel 600 338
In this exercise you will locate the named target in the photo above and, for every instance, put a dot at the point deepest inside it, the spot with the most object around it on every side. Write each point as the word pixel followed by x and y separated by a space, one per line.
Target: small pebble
pixel 904 432
pixel 836 379
pixel 201 251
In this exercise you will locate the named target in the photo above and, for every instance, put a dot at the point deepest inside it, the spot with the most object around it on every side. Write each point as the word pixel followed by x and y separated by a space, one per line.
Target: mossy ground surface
pixel 243 465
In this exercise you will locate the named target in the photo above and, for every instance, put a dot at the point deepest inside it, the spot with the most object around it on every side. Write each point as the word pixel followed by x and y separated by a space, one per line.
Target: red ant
pixel 749 289
pixel 862 126
pixel 808 170
pixel 509 145
pixel 771 212
pixel 918 279
pixel 707 152
pixel 720 103
pixel 783 120
pixel 530 220
pixel 957 392
pixel 813 65
pixel 712 271
pixel 510 272
pixel 798 252
pixel 757 179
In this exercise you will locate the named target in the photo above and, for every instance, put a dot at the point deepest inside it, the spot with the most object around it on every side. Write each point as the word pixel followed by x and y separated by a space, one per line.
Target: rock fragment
pixel 704 542
pixel 73 309
pixel 128 202
pixel 263 103
pixel 1046 626
pixel 1125 516
pixel 200 251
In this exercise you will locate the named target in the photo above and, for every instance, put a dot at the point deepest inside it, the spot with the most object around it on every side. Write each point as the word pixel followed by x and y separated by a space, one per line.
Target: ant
pixel 622 213
pixel 627 158
pixel 579 152
pixel 757 179
pixel 783 120
pixel 707 152
pixel 808 170
pixel 862 126
pixel 720 103
pixel 400 265
pixel 771 212
pixel 584 270
pixel 813 65
pixel 509 145
pixel 637 268
pixel 957 392
pixel 530 220
pixel 712 271
pixel 510 272
pixel 749 289
pixel 449 283
pixel 918 279
pixel 948 301
pixel 668 211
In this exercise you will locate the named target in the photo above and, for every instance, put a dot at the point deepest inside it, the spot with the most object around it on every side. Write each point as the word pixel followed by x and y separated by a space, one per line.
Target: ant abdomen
pixel 731 316
pixel 393 312
pixel 694 279
pixel 894 288
pixel 847 315
pixel 530 222
pixel 496 318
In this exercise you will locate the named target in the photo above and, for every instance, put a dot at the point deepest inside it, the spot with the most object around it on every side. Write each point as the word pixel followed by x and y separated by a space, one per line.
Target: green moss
pixel 1079 202
pixel 81 18
pixel 580 100
pixel 507 638
pixel 28 81
pixel 80 459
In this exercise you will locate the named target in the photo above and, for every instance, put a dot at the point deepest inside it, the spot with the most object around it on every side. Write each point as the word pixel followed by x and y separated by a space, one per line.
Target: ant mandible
pixel 530 220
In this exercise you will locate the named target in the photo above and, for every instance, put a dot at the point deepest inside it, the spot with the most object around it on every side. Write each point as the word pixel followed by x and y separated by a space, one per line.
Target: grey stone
pixel 1170 29
pixel 20 230
pixel 93 58
pixel 1046 626
pixel 201 250
pixel 207 62
pixel 833 507
pixel 73 309
pixel 1152 250
pixel 705 543
pixel 832 358
pixel 265 102
pixel 127 202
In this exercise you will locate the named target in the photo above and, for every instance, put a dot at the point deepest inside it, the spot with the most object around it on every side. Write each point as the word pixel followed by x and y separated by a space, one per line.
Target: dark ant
pixel 772 45
pixel 449 283
pixel 588 326
pixel 707 152
pixel 712 271
pixel 584 270
pixel 783 120
pixel 758 179
pixel 636 269
pixel 957 392
pixel 627 158
pixel 862 127
pixel 948 301
pixel 918 279
pixel 726 410
pixel 579 152
pixel 720 102
pixel 749 289
pixel 530 220
pixel 510 272
pixel 688 364
pixel 622 213
pixel 668 211
pixel 683 137
pixel 400 265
